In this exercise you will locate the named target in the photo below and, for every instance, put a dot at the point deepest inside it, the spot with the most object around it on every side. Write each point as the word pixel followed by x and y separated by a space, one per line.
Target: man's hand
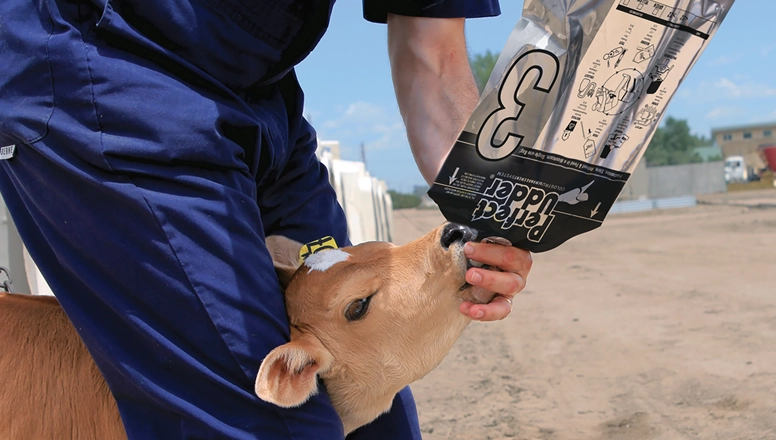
pixel 436 93
pixel 515 264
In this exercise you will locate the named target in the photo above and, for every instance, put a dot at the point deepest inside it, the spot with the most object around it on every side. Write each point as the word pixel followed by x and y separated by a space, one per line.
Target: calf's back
pixel 49 384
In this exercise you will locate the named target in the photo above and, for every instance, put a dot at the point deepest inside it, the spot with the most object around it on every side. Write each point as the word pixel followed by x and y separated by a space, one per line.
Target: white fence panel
pixel 365 199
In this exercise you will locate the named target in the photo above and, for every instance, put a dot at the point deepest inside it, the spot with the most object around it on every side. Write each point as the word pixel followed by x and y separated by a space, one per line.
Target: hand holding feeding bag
pixel 567 113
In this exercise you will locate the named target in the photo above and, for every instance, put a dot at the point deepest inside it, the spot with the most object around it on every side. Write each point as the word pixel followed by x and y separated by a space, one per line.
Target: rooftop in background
pixel 758 126
pixel 333 147
pixel 746 140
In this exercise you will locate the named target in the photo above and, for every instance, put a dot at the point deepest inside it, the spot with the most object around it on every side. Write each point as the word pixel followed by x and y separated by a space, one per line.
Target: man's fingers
pixel 506 258
pixel 515 264
pixel 505 283
pixel 496 310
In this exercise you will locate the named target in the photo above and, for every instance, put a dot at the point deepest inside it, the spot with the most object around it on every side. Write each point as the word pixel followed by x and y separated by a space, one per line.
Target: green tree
pixel 482 66
pixel 673 144
pixel 403 201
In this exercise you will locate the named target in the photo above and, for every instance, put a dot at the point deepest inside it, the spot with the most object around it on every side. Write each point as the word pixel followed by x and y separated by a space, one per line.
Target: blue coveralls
pixel 157 144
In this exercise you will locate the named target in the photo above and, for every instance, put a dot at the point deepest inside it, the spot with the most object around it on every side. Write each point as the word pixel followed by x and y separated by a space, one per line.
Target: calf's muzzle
pixel 453 233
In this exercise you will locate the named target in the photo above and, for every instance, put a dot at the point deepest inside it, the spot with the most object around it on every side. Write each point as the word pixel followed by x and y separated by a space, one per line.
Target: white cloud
pixel 722 112
pixel 685 93
pixel 732 89
pixel 744 89
pixel 381 129
pixel 377 126
pixel 766 50
pixel 722 60
pixel 357 113
pixel 362 109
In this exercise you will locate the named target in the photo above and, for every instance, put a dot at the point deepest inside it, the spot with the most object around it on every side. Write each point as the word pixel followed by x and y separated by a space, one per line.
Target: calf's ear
pixel 285 257
pixel 288 376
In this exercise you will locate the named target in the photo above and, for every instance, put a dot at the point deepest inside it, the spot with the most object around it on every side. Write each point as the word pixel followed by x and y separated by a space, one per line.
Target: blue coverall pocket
pixel 26 85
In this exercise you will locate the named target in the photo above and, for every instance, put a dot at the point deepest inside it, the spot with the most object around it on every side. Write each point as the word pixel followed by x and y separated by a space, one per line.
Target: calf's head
pixel 368 320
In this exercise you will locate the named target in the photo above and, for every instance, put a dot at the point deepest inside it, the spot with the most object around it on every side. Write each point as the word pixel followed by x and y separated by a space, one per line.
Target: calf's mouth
pixel 453 238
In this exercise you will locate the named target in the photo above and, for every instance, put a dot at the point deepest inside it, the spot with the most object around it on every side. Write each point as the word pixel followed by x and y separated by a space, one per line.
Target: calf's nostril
pixel 453 233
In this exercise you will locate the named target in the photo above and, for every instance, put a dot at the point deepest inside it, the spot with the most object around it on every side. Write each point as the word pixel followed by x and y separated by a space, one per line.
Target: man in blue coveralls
pixel 154 146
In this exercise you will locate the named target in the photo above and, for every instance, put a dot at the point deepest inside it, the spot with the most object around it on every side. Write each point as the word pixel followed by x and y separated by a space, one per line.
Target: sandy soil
pixel 658 325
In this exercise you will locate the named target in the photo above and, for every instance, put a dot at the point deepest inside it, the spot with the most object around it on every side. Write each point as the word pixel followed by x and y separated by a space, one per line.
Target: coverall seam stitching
pixel 95 106
pixel 182 268
pixel 51 80
pixel 199 299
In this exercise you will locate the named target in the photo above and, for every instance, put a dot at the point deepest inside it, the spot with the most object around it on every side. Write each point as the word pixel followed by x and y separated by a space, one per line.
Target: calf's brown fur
pixel 50 387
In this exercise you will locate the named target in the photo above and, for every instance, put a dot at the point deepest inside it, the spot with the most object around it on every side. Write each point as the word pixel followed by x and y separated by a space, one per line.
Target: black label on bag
pixel 537 200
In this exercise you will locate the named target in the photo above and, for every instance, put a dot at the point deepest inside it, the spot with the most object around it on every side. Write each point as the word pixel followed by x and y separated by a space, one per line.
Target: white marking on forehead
pixel 325 259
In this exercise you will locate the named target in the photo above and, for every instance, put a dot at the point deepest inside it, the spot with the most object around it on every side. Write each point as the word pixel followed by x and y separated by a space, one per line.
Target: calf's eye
pixel 357 309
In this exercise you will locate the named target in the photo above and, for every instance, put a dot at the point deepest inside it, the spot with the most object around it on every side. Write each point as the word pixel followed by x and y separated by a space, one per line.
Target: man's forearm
pixel 434 85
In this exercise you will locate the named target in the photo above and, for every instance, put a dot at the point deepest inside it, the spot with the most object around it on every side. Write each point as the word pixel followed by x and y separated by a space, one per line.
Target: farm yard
pixel 658 325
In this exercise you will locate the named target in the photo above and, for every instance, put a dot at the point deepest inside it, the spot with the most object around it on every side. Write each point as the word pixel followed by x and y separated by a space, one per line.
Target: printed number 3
pixel 501 132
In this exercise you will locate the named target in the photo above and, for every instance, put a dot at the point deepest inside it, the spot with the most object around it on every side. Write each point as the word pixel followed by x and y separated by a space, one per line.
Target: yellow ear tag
pixel 316 246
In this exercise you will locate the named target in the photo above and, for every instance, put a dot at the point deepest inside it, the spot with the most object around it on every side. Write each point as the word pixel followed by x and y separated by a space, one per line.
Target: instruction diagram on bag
pixel 624 87
pixel 626 79
pixel 644 54
pixel 615 54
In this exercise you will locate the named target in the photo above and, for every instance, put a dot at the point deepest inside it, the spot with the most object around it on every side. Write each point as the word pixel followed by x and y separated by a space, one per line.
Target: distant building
pixel 333 147
pixel 746 140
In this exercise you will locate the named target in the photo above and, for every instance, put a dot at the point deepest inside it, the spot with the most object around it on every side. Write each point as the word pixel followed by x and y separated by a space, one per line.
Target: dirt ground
pixel 658 325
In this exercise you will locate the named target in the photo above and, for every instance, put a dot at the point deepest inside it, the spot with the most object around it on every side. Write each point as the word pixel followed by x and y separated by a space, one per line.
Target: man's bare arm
pixel 434 85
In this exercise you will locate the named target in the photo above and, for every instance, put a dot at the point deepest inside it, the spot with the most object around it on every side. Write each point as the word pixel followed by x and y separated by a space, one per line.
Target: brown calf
pixel 368 319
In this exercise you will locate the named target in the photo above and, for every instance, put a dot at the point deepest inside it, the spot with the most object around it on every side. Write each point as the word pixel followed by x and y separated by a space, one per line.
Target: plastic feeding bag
pixel 567 113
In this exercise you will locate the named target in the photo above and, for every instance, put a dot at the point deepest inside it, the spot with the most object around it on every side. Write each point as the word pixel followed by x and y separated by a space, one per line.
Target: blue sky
pixel 350 98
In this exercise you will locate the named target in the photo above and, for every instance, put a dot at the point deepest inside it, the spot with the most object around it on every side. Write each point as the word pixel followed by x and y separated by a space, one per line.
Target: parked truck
pixel 737 170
